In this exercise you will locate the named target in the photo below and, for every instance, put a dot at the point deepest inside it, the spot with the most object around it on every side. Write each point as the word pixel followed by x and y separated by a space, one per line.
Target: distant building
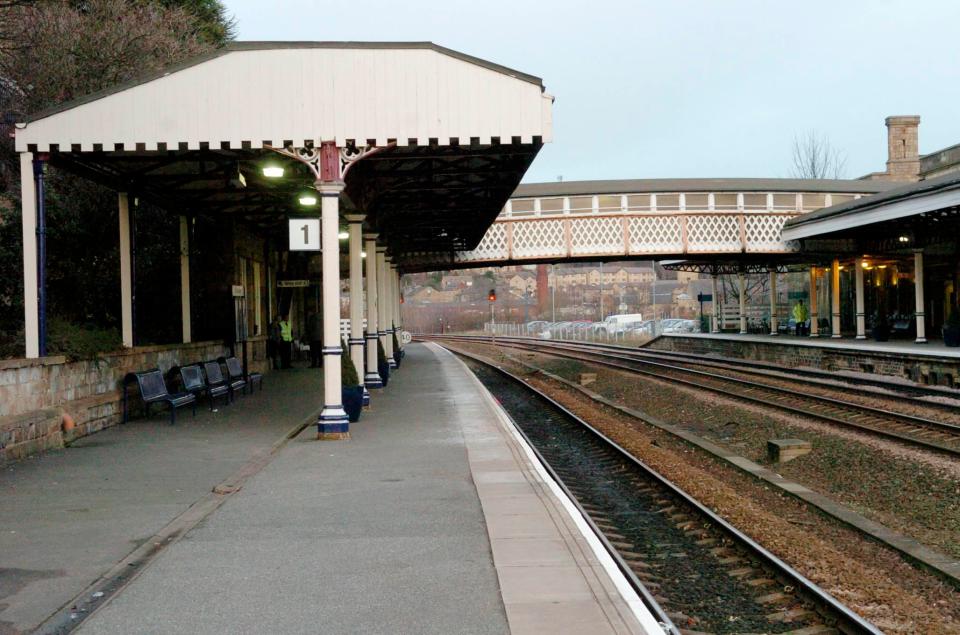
pixel 523 282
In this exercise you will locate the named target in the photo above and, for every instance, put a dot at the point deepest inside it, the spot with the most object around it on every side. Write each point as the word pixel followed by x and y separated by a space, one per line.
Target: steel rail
pixel 850 622
pixel 635 356
pixel 804 375
pixel 532 345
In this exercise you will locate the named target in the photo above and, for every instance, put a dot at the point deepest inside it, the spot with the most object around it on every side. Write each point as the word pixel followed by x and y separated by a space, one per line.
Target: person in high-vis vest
pixel 800 315
pixel 286 341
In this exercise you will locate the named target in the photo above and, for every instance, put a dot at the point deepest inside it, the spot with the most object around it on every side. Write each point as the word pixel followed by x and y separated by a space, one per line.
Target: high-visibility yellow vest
pixel 286 333
pixel 800 313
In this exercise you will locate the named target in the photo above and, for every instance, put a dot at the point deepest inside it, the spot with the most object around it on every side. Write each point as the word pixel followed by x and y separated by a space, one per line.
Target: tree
pixel 815 158
pixel 57 50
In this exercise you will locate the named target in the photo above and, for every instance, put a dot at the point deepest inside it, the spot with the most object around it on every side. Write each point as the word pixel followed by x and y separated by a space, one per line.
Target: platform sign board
pixel 705 297
pixel 797 295
pixel 292 284
pixel 304 234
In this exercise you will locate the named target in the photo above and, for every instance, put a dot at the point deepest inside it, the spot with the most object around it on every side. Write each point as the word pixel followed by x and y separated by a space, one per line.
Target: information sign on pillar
pixel 304 234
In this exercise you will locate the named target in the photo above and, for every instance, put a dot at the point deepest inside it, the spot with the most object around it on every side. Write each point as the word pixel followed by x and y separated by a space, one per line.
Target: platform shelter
pixel 403 147
pixel 900 248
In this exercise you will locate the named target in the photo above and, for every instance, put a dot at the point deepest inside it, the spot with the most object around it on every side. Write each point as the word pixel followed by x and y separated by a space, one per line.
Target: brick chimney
pixel 903 148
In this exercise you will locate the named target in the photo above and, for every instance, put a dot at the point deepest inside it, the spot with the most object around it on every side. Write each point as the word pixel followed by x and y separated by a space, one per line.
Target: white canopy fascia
pixel 255 94
pixel 884 212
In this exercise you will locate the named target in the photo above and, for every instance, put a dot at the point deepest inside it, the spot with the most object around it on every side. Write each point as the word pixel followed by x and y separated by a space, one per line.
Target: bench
pixel 215 378
pixel 153 389
pixel 195 383
pixel 235 373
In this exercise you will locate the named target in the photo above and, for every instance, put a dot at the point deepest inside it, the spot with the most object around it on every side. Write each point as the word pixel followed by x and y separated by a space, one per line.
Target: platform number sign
pixel 304 234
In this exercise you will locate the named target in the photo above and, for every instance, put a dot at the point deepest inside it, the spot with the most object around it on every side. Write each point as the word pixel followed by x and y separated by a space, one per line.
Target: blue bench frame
pixel 153 389
pixel 235 373
pixel 195 382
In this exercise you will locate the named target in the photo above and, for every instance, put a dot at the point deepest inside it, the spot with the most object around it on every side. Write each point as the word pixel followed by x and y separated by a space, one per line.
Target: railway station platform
pixel 432 518
pixel 931 363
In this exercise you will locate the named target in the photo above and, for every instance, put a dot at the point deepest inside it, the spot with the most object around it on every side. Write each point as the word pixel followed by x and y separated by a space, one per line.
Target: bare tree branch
pixel 815 158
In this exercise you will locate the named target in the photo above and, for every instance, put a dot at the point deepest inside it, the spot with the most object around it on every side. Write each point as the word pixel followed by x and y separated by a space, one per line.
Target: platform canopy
pixel 911 216
pixel 453 135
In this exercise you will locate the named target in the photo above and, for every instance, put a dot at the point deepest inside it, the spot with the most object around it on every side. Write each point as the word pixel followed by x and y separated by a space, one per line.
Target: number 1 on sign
pixel 304 234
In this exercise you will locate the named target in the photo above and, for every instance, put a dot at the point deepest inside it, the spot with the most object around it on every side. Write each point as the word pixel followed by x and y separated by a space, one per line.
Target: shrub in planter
pixel 383 367
pixel 397 356
pixel 351 391
pixel 951 329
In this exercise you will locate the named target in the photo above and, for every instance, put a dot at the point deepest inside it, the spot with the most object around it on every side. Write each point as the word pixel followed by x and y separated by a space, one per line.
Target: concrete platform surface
pixel 932 348
pixel 70 515
pixel 430 519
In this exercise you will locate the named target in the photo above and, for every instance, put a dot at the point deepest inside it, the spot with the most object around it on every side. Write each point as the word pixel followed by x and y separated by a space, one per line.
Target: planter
pixel 396 358
pixel 352 398
pixel 951 335
pixel 881 333
pixel 384 369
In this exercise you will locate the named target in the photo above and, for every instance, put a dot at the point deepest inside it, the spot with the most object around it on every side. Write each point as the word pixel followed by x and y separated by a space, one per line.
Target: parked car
pixel 614 324
pixel 536 327
pixel 679 326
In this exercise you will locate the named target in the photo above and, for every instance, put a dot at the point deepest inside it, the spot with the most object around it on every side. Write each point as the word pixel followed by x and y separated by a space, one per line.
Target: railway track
pixel 717 377
pixel 696 572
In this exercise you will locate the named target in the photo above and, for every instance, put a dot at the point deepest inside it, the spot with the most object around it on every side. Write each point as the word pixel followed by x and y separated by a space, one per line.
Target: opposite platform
pixel 431 519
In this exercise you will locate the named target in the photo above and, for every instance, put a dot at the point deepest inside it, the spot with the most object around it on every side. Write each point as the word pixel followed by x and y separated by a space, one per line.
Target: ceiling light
pixel 343 235
pixel 904 239
pixel 363 254
pixel 307 200
pixel 273 171
pixel 865 264
pixel 881 266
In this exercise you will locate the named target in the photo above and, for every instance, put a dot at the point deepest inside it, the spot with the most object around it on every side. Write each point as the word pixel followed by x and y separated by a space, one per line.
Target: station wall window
pixel 609 203
pixel 725 200
pixel 754 200
pixel 840 198
pixel 551 205
pixel 813 200
pixel 581 204
pixel 522 206
pixel 668 202
pixel 638 201
pixel 785 201
pixel 696 200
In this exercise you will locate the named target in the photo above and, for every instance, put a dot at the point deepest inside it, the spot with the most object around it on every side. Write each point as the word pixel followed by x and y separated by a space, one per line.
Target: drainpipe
pixel 38 176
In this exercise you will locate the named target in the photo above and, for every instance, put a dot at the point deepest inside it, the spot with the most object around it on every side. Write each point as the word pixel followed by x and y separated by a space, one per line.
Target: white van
pixel 614 324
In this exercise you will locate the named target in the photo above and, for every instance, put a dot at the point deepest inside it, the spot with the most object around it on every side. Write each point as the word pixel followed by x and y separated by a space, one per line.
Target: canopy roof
pixel 457 134
pixel 926 212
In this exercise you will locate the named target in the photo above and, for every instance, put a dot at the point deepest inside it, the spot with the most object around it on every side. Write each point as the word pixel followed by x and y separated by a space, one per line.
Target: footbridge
pixel 664 218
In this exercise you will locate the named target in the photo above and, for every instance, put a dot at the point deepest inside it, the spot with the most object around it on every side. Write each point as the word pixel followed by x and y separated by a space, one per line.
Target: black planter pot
pixel 951 335
pixel 881 333
pixel 352 398
pixel 384 370
pixel 396 358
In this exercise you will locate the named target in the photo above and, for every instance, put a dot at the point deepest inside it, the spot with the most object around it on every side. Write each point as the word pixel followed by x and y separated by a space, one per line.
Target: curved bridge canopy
pixel 663 218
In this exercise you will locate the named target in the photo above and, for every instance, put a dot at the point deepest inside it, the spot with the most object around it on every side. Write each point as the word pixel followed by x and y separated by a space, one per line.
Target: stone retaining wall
pixel 924 369
pixel 36 393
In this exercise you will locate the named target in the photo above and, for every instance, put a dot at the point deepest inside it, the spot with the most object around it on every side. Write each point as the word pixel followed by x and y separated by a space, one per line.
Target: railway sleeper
pixel 791 615
pixel 818 629
pixel 743 572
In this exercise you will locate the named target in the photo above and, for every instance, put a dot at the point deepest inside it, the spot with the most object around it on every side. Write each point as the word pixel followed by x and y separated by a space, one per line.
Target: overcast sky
pixel 675 88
